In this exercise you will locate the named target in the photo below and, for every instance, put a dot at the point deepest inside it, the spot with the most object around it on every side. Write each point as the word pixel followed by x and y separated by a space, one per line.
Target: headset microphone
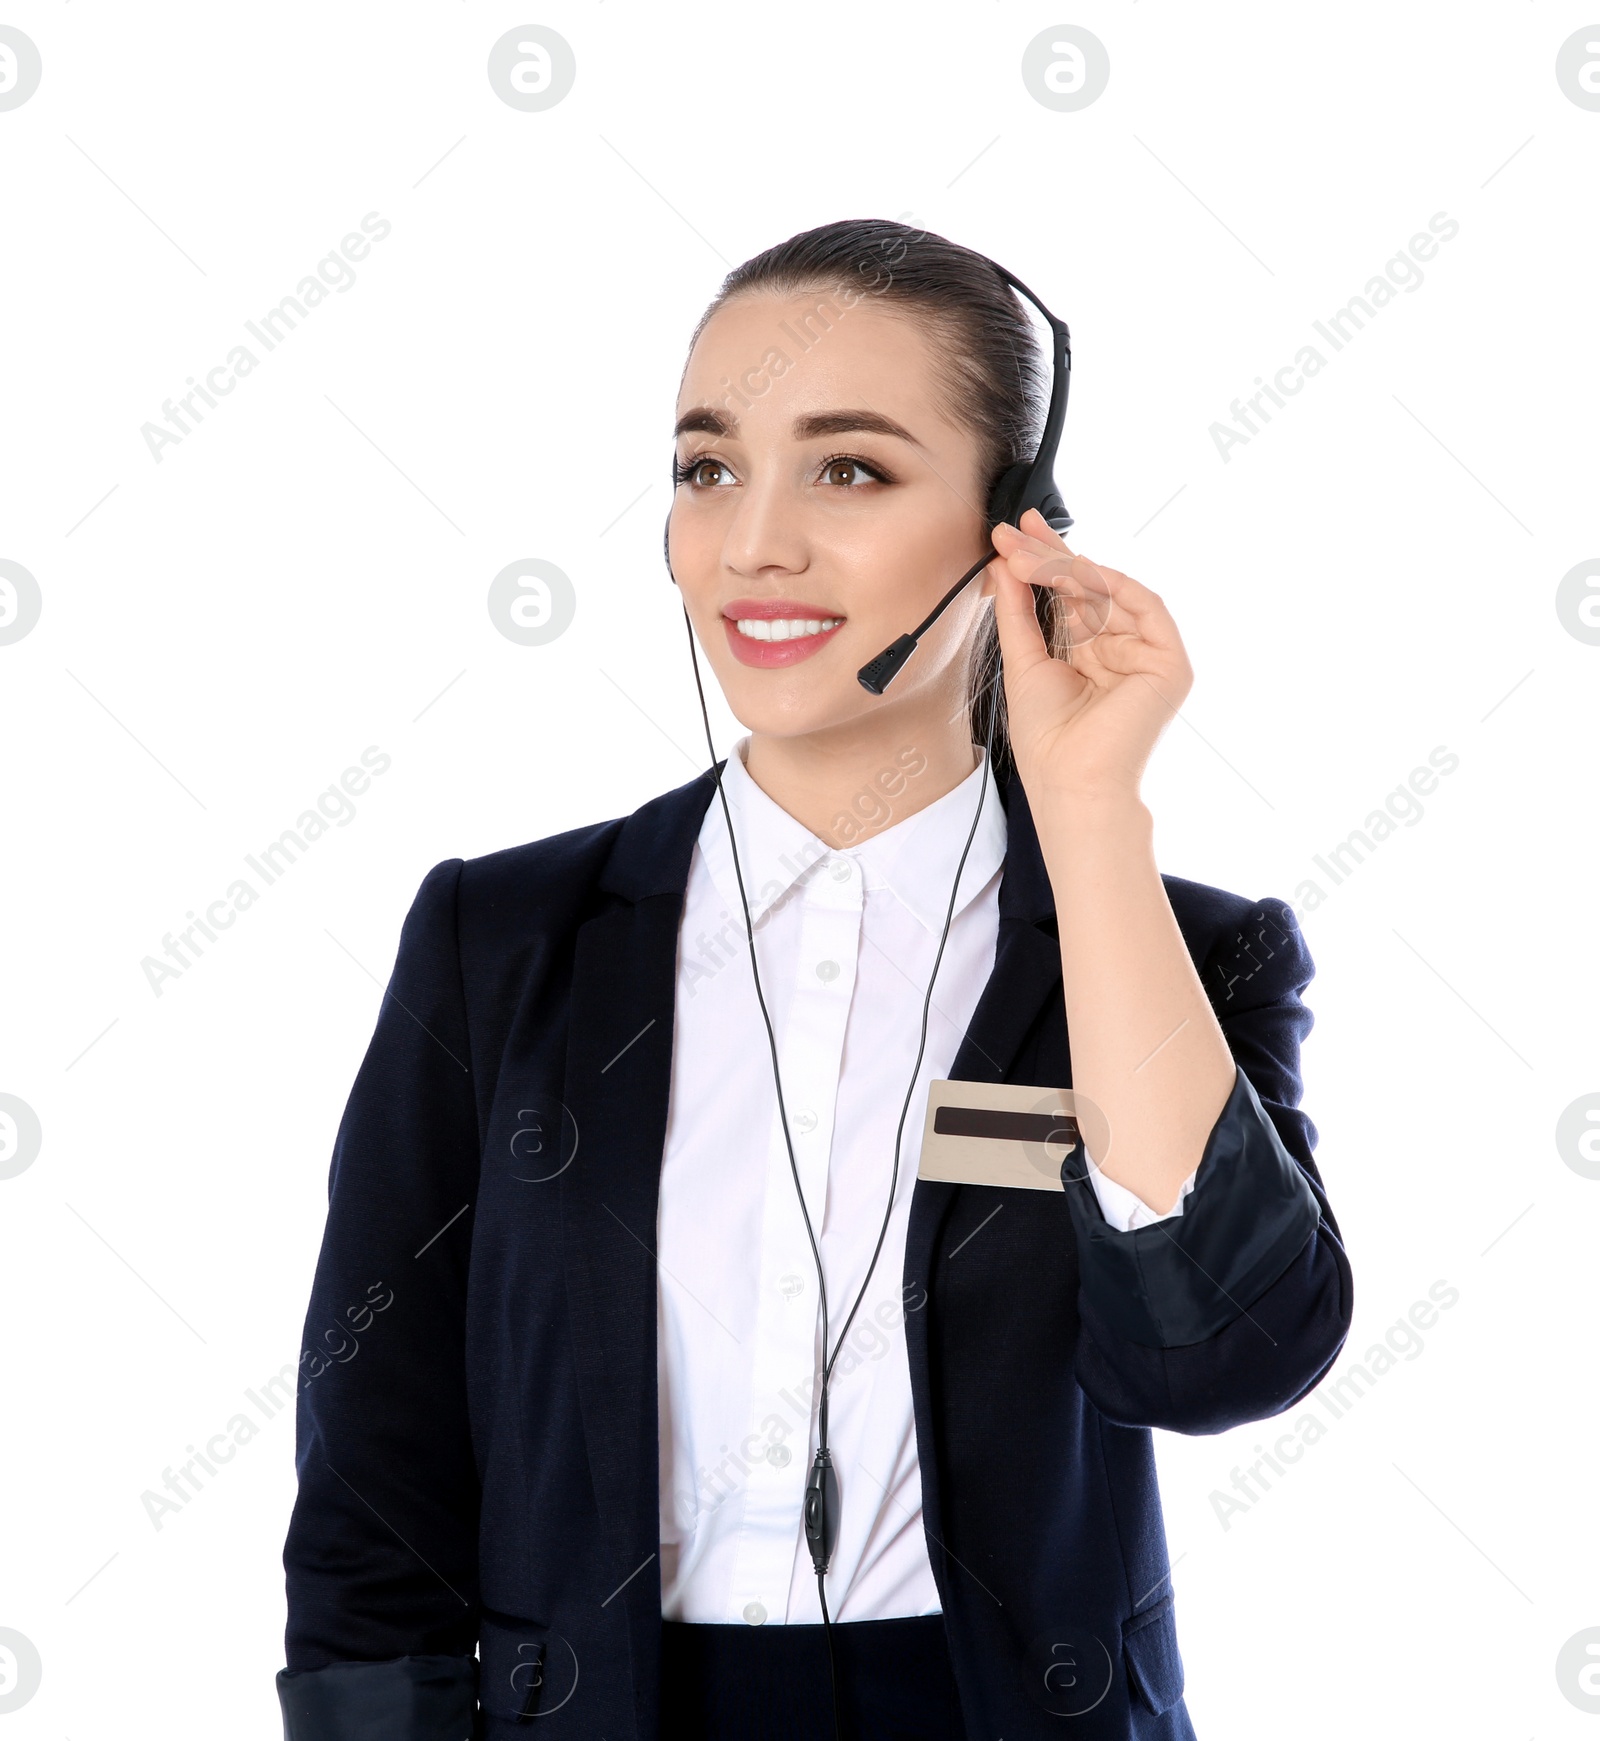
pixel 1029 484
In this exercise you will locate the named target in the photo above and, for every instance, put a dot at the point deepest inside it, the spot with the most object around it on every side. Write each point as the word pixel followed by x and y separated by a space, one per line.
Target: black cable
pixel 833 1673
pixel 822 1469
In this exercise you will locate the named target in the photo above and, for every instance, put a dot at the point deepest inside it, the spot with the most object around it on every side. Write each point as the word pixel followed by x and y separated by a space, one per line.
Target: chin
pixel 811 717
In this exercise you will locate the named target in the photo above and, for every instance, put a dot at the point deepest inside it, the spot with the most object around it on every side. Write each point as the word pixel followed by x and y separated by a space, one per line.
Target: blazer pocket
pixel 525 1671
pixel 1150 1644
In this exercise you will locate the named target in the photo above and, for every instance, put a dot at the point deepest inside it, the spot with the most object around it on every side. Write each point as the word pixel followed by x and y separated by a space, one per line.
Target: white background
pixel 223 632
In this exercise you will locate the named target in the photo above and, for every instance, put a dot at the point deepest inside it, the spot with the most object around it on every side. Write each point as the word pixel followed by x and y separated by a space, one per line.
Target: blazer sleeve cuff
pixel 1125 1209
pixel 413 1698
pixel 1184 1279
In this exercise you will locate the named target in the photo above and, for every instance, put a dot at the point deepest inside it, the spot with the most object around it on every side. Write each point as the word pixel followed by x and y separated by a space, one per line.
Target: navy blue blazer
pixel 477 1416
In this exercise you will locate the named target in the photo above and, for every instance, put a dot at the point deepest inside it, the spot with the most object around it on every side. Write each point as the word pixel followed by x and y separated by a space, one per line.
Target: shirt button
pixel 755 1613
pixel 805 1122
pixel 791 1285
pixel 778 1456
pixel 827 971
pixel 840 870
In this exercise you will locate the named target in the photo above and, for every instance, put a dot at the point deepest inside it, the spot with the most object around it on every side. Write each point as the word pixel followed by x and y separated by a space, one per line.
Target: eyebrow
pixel 706 420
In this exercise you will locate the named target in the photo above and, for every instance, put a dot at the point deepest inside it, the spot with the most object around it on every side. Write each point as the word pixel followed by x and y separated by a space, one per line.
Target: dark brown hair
pixel 993 371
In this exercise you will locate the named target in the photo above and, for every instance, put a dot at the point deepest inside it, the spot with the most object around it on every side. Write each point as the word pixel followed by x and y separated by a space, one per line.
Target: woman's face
pixel 827 503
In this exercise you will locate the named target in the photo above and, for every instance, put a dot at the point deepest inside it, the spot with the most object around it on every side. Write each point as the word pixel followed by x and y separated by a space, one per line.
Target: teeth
pixel 784 628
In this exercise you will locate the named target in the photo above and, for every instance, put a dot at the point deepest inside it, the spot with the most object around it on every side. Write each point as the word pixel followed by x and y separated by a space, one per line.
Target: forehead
pixel 768 358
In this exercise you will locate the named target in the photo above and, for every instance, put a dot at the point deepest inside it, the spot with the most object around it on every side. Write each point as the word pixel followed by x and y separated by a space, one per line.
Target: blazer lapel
pixel 617 1086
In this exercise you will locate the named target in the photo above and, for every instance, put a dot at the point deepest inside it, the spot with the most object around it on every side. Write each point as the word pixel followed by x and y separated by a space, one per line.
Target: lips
pixel 790 621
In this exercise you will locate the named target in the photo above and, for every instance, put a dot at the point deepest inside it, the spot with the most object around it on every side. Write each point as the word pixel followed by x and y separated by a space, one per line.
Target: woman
pixel 630 1243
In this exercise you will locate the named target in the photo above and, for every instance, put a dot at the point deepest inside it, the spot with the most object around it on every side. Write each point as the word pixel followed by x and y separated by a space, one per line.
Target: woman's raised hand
pixel 1083 726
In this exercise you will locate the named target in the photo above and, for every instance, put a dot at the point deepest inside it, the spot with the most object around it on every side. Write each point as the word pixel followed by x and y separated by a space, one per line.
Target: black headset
pixel 1028 484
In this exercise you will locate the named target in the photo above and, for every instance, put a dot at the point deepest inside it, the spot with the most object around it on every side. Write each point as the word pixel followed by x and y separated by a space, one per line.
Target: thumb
pixel 1022 644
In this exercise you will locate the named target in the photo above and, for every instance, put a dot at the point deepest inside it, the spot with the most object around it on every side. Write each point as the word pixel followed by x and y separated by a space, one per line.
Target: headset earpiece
pixel 1054 510
pixel 1005 500
pixel 1011 499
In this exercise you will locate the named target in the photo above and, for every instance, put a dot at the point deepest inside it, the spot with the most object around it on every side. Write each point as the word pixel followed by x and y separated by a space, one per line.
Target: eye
pixel 837 471
pixel 693 472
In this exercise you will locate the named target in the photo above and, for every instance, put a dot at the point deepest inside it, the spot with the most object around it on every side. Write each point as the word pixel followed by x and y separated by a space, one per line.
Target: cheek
pixel 696 558
pixel 889 562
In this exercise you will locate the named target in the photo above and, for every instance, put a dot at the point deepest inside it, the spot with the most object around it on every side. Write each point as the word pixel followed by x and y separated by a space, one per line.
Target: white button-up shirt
pixel 846 941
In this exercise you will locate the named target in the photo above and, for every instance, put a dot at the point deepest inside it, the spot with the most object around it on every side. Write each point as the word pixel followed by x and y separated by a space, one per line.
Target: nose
pixel 765 531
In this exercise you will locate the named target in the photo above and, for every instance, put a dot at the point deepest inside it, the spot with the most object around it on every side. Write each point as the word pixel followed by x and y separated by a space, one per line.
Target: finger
pixel 1022 642
pixel 1147 609
pixel 1038 535
pixel 1128 655
pixel 1023 649
pixel 1031 532
pixel 1112 601
pixel 1034 524
pixel 1032 528
pixel 1087 599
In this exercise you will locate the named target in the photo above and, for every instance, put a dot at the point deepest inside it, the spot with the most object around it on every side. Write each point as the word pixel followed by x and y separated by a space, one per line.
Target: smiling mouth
pixel 783 628
pixel 767 633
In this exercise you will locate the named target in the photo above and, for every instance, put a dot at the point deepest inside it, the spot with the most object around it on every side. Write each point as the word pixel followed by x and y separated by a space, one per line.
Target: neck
pixel 851 782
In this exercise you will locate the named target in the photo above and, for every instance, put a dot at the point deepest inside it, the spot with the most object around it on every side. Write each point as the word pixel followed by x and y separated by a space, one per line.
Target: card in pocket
pixel 999 1133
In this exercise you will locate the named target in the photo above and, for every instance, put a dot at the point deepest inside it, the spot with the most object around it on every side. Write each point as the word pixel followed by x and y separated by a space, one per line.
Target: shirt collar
pixel 914 859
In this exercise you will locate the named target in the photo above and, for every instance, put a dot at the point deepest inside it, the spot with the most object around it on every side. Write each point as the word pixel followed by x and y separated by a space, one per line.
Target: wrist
pixel 1095 835
pixel 1102 806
